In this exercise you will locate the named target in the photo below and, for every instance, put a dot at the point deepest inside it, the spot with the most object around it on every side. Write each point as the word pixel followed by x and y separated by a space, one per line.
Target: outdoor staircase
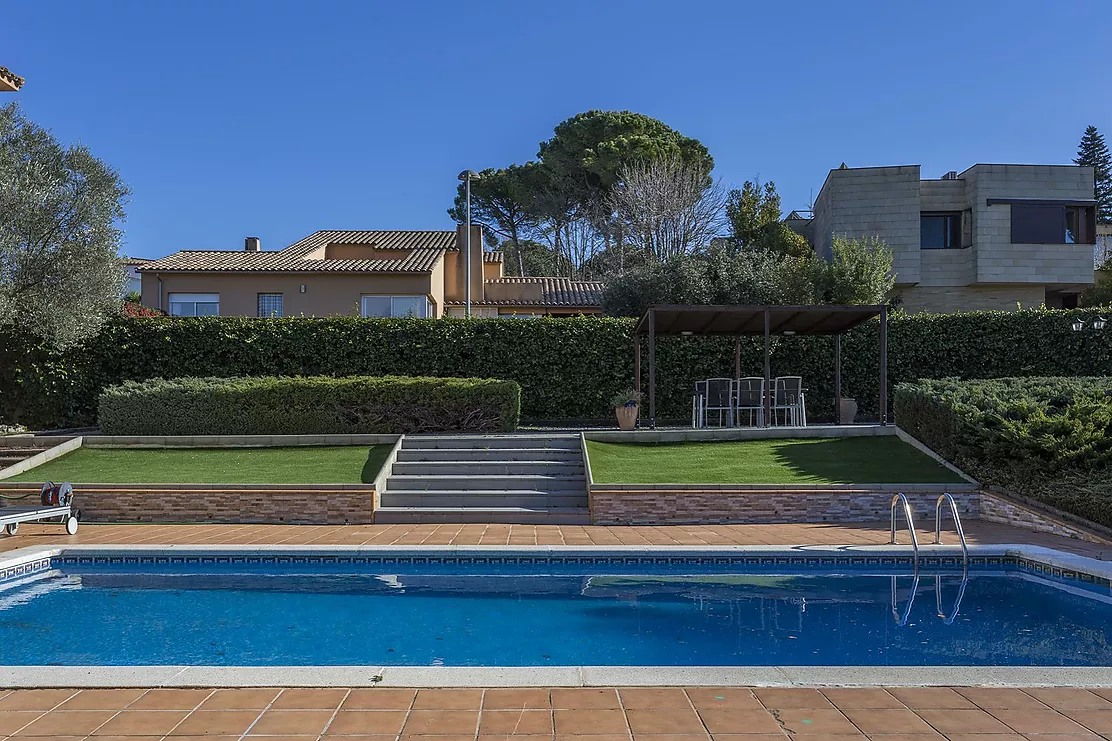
pixel 9 456
pixel 529 478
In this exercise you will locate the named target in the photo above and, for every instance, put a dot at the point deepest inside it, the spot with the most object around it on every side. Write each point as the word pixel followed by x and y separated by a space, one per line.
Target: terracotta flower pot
pixel 847 410
pixel 627 416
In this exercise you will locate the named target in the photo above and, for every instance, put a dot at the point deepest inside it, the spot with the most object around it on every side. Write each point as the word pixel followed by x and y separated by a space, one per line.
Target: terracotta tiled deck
pixel 657 714
pixel 479 534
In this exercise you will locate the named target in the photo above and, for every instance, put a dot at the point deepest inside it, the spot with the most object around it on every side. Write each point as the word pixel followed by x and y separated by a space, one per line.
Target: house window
pixel 395 306
pixel 270 305
pixel 194 304
pixel 940 230
pixel 1039 223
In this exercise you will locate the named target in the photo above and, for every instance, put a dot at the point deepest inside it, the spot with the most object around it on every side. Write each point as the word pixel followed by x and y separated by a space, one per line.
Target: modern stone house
pixel 991 237
pixel 357 273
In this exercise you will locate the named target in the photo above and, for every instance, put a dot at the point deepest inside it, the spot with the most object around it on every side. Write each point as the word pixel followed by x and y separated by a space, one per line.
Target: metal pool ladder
pixel 901 499
pixel 946 497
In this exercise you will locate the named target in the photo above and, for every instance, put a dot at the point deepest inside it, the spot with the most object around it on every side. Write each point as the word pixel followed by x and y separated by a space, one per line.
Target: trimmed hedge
pixel 568 369
pixel 1046 438
pixel 309 406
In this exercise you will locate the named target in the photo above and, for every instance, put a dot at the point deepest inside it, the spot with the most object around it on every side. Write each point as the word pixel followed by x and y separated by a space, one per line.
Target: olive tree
pixel 60 206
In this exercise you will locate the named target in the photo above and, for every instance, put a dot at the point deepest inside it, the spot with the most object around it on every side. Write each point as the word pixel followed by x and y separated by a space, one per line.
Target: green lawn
pixel 301 465
pixel 846 460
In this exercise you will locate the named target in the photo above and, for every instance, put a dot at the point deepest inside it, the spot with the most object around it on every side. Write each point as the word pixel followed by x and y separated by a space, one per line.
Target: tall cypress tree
pixel 1094 152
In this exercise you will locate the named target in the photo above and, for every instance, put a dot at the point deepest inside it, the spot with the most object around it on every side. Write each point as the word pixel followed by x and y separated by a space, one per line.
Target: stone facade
pixel 997 509
pixel 676 505
pixel 984 269
pixel 272 504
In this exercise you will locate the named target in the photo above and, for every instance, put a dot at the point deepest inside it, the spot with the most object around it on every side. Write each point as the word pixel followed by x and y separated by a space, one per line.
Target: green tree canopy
pixel 755 221
pixel 59 207
pixel 1092 151
pixel 860 273
pixel 590 149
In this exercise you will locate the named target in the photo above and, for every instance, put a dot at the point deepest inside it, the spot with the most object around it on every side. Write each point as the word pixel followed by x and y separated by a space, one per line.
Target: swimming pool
pixel 519 609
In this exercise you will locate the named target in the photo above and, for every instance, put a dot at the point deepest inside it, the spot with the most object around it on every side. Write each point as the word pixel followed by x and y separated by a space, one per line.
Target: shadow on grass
pixel 376 456
pixel 860 460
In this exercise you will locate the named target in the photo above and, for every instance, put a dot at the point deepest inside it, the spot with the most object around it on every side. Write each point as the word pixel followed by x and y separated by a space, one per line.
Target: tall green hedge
pixel 569 369
pixel 1046 438
pixel 308 406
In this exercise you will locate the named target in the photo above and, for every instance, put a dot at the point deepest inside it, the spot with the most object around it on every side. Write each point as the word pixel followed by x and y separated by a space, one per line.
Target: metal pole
pixel 637 361
pixel 467 256
pixel 768 372
pixel 737 357
pixel 883 365
pixel 837 379
pixel 652 369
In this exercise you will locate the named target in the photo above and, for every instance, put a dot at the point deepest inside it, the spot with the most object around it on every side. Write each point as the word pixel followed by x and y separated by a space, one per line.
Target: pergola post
pixel 883 365
pixel 652 369
pixel 637 361
pixel 737 357
pixel 837 379
pixel 767 370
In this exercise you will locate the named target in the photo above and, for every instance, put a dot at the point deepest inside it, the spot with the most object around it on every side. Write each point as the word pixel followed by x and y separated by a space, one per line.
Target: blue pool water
pixel 101 615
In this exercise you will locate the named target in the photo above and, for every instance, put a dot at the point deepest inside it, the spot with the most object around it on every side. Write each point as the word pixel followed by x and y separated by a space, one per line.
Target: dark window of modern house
pixel 940 231
pixel 1052 224
pixel 270 305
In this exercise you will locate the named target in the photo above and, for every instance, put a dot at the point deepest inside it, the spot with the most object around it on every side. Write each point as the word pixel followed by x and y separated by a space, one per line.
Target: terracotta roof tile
pixel 554 292
pixel 423 250
pixel 495 256
pixel 13 80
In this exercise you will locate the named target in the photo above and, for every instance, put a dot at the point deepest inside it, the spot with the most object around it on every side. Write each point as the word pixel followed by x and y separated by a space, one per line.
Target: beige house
pixel 357 273
pixel 991 237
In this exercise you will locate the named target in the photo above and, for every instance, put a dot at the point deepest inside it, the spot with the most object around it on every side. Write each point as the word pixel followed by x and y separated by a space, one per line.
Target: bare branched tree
pixel 668 207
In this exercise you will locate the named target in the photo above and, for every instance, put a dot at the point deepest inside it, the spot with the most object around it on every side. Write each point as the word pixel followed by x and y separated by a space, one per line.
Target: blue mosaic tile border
pixel 21 570
pixel 556 562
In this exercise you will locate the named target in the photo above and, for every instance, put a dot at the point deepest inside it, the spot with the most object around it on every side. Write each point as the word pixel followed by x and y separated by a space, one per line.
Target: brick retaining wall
pixel 165 503
pixel 694 506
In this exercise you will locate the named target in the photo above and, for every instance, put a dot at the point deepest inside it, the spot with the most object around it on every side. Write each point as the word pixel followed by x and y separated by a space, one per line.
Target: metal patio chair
pixel 749 398
pixel 788 397
pixel 719 398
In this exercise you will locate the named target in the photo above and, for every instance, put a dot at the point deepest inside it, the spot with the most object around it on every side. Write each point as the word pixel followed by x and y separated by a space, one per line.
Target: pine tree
pixel 1094 152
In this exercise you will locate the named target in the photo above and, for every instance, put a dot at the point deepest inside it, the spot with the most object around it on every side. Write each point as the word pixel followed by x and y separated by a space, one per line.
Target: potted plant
pixel 625 407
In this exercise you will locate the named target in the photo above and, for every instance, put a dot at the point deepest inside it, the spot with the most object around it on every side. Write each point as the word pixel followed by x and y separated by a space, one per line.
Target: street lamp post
pixel 467 176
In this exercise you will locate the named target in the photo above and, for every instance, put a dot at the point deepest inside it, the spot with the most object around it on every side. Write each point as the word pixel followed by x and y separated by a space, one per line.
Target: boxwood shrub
pixel 315 405
pixel 1046 438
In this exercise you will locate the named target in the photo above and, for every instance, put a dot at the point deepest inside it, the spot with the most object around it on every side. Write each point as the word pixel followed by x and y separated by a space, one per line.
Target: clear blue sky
pixel 275 118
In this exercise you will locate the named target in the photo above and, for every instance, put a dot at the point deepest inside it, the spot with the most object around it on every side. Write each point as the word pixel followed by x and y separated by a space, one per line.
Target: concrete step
pixel 500 515
pixel 524 499
pixel 490 454
pixel 488 468
pixel 486 483
pixel 490 442
pixel 10 456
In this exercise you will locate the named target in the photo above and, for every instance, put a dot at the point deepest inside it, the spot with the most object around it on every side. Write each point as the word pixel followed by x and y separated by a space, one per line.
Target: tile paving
pixel 491 534
pixel 595 714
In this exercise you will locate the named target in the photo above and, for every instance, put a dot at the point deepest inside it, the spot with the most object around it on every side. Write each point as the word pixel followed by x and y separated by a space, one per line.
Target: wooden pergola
pixel 736 321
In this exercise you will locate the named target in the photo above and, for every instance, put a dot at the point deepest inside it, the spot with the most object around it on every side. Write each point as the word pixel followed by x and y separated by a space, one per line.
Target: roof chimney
pixel 251 244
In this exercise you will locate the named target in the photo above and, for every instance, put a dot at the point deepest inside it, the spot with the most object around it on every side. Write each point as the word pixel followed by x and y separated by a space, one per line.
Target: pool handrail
pixel 898 498
pixel 947 497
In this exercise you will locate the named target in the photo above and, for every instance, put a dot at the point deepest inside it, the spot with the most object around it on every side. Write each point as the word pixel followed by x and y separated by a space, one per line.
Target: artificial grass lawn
pixel 845 460
pixel 301 465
